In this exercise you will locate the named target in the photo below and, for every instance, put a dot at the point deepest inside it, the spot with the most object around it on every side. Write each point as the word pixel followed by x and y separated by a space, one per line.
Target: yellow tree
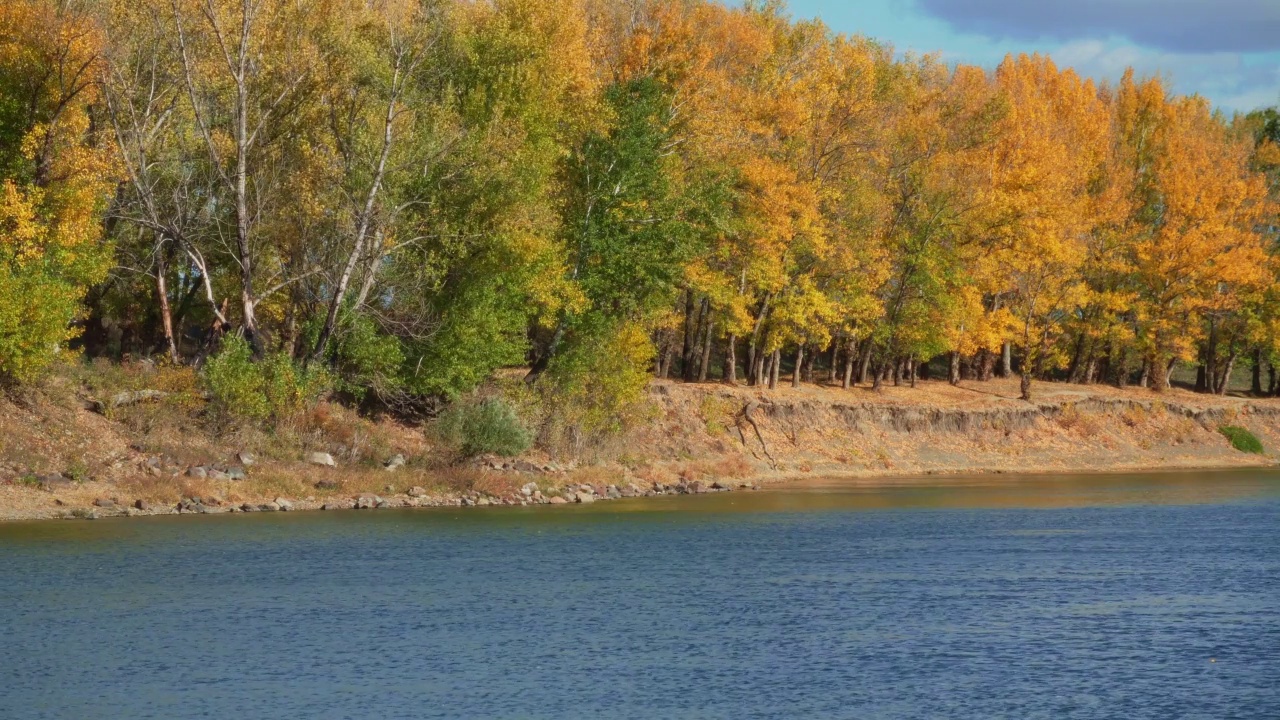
pixel 1050 148
pixel 56 174
pixel 1197 246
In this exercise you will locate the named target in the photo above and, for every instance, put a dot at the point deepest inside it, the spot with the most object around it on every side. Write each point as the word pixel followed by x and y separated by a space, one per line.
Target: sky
pixel 1226 50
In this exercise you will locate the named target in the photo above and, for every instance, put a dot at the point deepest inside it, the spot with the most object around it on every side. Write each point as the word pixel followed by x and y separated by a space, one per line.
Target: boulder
pixel 612 492
pixel 197 471
pixel 248 508
pixel 142 505
pixel 583 498
pixel 321 458
pixel 529 489
pixel 269 507
pixel 697 487
pixel 246 459
pixel 104 503
pixel 218 475
pixel 236 473
pixel 395 462
pixel 416 492
pixel 284 504
pixel 558 500
pixel 526 466
pixel 367 501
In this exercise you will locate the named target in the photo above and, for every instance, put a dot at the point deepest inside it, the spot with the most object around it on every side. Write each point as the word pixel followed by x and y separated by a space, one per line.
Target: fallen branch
pixel 745 414
pixel 126 399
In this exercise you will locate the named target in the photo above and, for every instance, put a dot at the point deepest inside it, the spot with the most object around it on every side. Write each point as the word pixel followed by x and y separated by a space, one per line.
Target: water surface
pixel 1152 596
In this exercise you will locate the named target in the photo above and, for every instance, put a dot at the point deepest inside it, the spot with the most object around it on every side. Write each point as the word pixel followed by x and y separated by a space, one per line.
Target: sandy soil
pixel 703 433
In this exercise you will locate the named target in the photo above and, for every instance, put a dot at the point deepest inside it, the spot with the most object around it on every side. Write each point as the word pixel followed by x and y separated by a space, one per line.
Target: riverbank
pixel 64 456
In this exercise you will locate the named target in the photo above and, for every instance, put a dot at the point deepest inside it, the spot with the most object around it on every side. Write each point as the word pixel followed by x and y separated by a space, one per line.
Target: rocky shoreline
pixel 415 497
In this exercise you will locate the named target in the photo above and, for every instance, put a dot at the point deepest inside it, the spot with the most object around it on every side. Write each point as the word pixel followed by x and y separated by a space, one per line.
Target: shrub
pixel 1241 439
pixel 275 389
pixel 489 426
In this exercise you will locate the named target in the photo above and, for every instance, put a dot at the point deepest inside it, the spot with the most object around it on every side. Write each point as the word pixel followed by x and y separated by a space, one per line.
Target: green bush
pixel 489 426
pixel 1241 439
pixel 274 389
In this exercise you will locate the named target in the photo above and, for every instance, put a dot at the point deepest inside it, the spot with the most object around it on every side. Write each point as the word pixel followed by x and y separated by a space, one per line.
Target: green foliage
pixel 596 386
pixel 1241 439
pixel 488 426
pixel 273 390
pixel 37 305
pixel 362 358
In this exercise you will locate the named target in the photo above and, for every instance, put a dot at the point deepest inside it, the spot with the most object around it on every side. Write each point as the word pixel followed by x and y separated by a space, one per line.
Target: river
pixel 1106 596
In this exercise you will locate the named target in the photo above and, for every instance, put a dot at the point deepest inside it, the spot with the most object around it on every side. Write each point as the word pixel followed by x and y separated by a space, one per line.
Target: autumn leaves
pixel 416 194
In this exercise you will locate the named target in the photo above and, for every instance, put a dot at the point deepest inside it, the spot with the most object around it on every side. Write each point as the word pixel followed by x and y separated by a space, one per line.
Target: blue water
pixel 1125 597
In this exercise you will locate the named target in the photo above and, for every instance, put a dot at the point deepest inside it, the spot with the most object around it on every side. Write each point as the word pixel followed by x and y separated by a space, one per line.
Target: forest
pixel 395 199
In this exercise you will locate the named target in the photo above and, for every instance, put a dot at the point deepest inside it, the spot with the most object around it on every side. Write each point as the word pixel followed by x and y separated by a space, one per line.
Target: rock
pixel 557 500
pixel 328 485
pixel 720 486
pixel 248 508
pixel 367 501
pixel 416 492
pixel 55 481
pixel 237 473
pixel 332 506
pixel 484 502
pixel 382 505
pixel 104 503
pixel 197 472
pixel 395 462
pixel 246 459
pixel 153 462
pixel 218 475
pixel 321 458
pixel 284 504
pixel 584 498
pixel 529 489
pixel 697 487
pixel 612 492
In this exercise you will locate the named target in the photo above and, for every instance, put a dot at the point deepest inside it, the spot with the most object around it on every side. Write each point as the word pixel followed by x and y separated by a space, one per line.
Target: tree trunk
pixel 162 295
pixel 690 331
pixel 953 374
pixel 775 367
pixel 848 365
pixel 864 372
pixel 795 374
pixel 1255 381
pixel 835 360
pixel 705 365
pixel 911 366
pixel 731 360
pixel 1026 384
pixel 1006 359
pixel 1159 375
pixel 1225 381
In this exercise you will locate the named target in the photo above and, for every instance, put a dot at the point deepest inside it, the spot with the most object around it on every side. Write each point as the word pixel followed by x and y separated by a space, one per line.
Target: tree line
pixel 415 193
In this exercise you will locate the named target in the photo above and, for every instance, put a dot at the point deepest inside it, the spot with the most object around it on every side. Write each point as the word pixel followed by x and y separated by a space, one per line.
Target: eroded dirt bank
pixel 64 459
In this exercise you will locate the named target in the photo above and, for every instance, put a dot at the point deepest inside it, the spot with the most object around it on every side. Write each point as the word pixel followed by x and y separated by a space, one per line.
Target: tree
pixel 56 173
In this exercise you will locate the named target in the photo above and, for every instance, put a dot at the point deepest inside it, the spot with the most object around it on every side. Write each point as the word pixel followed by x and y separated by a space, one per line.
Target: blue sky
pixel 1225 50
